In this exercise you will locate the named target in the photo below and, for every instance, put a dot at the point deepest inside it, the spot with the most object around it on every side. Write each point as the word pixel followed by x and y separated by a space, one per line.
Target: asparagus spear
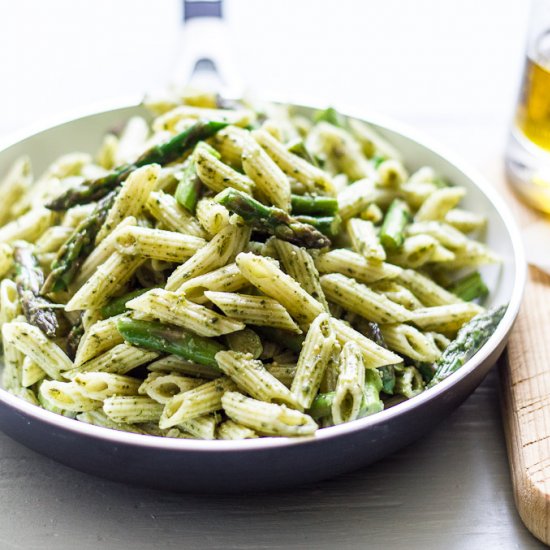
pixel 397 217
pixel 470 287
pixel 371 399
pixel 468 341
pixel 77 247
pixel 330 115
pixel 187 191
pixel 74 337
pixel 298 147
pixel 314 206
pixel 118 305
pixel 371 403
pixel 38 310
pixel 327 225
pixel 164 153
pixel 170 339
pixel 272 220
pixel 322 405
pixel 387 375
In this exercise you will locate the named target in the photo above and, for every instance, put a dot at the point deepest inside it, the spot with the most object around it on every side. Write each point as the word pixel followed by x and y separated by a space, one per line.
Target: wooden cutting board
pixel 525 390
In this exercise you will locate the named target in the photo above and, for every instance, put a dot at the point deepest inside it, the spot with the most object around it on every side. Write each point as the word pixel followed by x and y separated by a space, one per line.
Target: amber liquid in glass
pixel 528 151
pixel 533 113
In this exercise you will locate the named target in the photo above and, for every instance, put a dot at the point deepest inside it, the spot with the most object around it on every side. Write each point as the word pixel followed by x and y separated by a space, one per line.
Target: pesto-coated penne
pixel 131 199
pixel 253 310
pixel 313 178
pixel 352 264
pixel 268 278
pixel 436 206
pixel 212 216
pixel 221 250
pixel 267 418
pixel 271 182
pixel 100 385
pixel 373 354
pixel 175 309
pixel 253 378
pixel 132 409
pixel 177 365
pixel 312 363
pixel 165 209
pixel 99 337
pixel 162 387
pixel 301 267
pixel 364 239
pixel 31 372
pixel 362 300
pixel 13 187
pixel 447 318
pixel 107 279
pixel 350 385
pixel 232 430
pixel 101 253
pixel 119 359
pixel 31 341
pixel 67 396
pixel 27 227
pixel 206 398
pixel 224 279
pixel 217 175
pixel 426 290
pixel 355 197
pixel 343 151
pixel 409 341
pixel 157 244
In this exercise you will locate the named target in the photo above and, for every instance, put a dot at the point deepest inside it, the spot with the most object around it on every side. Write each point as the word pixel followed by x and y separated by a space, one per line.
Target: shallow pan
pixel 267 463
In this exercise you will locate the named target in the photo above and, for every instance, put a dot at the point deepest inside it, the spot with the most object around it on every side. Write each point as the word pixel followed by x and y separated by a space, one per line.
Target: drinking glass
pixel 528 150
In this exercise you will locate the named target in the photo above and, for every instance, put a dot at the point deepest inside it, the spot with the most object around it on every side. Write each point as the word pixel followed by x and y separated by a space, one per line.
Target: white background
pixel 415 60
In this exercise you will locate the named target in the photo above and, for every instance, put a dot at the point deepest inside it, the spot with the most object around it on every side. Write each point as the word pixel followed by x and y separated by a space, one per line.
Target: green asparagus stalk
pixel 470 287
pixel 330 115
pixel 272 220
pixel 74 337
pixel 38 310
pixel 170 339
pixel 322 405
pixel 427 370
pixel 118 305
pixel 470 338
pixel 279 336
pixel 377 160
pixel 371 403
pixel 314 206
pixel 164 153
pixel 298 147
pixel 387 375
pixel 327 225
pixel 188 189
pixel 77 247
pixel 397 217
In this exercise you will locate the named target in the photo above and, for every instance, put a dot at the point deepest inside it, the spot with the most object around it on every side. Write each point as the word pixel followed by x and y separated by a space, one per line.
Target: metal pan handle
pixel 205 60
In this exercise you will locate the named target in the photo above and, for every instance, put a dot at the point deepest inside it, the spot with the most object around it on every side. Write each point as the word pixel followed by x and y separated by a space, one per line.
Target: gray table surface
pixel 450 490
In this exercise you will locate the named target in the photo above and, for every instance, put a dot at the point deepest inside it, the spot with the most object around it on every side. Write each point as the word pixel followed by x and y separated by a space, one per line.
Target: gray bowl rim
pixel 263 444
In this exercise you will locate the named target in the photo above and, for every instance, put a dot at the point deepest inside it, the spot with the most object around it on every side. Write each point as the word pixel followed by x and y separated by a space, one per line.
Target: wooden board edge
pixel 531 499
